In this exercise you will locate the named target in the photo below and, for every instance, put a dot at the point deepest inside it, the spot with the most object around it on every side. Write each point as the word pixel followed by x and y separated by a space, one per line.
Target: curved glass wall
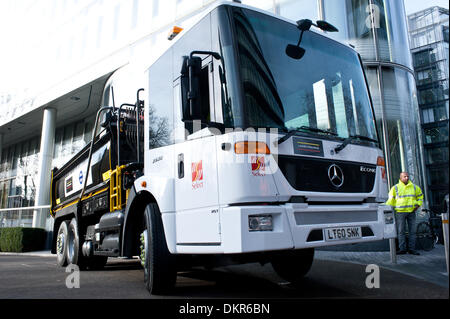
pixel 353 19
pixel 392 32
pixel 364 23
pixel 401 122
pixel 395 104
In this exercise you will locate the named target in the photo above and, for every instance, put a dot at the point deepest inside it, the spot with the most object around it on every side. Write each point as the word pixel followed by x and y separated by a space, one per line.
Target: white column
pixel 45 166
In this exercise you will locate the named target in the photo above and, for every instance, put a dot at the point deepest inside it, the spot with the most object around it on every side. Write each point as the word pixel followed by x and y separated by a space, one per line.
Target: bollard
pixel 445 232
pixel 393 250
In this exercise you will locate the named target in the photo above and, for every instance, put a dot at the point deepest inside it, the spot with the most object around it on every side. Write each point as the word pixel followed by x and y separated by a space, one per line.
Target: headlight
pixel 260 223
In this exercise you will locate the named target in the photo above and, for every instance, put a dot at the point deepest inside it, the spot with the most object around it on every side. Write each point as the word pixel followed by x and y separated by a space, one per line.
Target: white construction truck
pixel 250 139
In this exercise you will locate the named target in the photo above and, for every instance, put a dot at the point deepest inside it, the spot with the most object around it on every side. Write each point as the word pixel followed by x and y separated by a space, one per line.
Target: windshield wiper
pixel 351 138
pixel 317 130
pixel 305 128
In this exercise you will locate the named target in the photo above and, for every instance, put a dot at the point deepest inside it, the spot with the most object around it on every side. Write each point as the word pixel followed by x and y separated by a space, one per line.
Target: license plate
pixel 342 233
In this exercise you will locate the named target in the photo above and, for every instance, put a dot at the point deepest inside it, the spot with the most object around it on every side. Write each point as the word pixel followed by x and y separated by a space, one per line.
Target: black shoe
pixel 413 252
pixel 401 252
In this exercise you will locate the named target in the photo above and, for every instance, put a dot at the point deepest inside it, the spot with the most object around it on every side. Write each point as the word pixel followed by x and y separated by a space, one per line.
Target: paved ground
pixel 429 266
pixel 25 276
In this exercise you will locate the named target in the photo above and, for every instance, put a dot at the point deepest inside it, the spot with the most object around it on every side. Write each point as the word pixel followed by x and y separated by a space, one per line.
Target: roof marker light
pixel 174 32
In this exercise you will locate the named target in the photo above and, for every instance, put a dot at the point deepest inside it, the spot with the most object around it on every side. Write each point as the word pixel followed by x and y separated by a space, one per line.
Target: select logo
pixel 258 166
pixel 197 175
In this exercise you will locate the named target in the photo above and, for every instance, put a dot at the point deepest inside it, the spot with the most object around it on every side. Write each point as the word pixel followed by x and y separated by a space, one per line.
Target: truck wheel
pixel 159 265
pixel 61 244
pixel 74 255
pixel 292 266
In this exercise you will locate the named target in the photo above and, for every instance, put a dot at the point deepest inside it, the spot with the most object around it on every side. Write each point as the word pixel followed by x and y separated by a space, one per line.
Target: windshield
pixel 325 89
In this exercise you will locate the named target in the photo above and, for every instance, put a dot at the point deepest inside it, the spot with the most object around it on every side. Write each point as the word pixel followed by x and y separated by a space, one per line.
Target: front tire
pixel 292 266
pixel 159 264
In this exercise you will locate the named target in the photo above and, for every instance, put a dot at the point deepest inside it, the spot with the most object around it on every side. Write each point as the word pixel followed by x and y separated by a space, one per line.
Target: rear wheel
pixel 61 244
pixel 74 255
pixel 292 266
pixel 74 251
pixel 159 265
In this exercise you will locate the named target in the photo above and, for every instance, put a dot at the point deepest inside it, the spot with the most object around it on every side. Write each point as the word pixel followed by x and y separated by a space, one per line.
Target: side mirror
pixel 295 52
pixel 325 26
pixel 190 89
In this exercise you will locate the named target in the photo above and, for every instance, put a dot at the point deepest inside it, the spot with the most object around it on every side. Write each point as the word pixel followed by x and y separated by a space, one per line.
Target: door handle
pixel 180 165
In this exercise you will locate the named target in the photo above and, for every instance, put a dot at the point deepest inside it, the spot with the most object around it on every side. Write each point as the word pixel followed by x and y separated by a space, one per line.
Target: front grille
pixel 311 174
pixel 316 218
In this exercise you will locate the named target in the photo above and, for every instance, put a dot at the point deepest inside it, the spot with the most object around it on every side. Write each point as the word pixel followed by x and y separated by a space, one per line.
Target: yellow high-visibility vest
pixel 404 198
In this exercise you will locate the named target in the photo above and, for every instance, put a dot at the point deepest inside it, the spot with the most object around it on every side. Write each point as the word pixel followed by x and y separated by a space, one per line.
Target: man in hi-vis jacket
pixel 405 198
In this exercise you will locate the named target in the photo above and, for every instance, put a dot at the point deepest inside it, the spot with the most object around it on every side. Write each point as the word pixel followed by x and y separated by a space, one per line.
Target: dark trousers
pixel 402 219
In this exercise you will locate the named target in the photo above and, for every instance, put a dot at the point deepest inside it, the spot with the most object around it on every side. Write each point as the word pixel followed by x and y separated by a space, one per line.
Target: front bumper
pixel 297 226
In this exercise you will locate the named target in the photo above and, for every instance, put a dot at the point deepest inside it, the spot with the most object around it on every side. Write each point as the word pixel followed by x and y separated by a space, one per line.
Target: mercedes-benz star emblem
pixel 336 175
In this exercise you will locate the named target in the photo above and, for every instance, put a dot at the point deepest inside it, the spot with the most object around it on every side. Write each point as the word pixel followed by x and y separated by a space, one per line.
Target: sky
pixel 13 57
pixel 412 6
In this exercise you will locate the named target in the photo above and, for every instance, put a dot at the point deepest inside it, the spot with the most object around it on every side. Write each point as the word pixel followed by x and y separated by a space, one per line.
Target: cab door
pixel 196 187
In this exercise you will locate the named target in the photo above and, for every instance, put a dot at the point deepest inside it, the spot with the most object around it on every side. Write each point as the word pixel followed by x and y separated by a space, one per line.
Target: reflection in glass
pixel 160 110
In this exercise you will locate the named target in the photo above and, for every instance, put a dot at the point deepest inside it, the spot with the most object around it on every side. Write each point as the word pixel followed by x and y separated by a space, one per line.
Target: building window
pixel 432 95
pixel 437 199
pixel 427 116
pixel 435 135
pixel 424 58
pixel 437 155
pixel 437 175
pixel 445 33
pixel 435 114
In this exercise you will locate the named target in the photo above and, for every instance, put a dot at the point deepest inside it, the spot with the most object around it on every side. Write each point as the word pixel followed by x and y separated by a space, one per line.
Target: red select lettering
pixel 197 185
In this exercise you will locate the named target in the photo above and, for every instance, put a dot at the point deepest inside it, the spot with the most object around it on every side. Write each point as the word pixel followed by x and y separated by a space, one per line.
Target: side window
pixel 160 105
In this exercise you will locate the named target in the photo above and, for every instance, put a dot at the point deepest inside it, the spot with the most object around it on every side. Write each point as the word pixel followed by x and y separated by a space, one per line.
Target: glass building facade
pixel 429 35
pixel 81 35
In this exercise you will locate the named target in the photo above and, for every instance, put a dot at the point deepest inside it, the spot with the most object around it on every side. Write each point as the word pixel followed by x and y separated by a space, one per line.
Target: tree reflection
pixel 159 131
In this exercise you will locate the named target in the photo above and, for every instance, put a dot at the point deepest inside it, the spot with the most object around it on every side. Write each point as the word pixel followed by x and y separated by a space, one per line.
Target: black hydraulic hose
pixel 138 137
pixel 92 146
pixel 118 131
